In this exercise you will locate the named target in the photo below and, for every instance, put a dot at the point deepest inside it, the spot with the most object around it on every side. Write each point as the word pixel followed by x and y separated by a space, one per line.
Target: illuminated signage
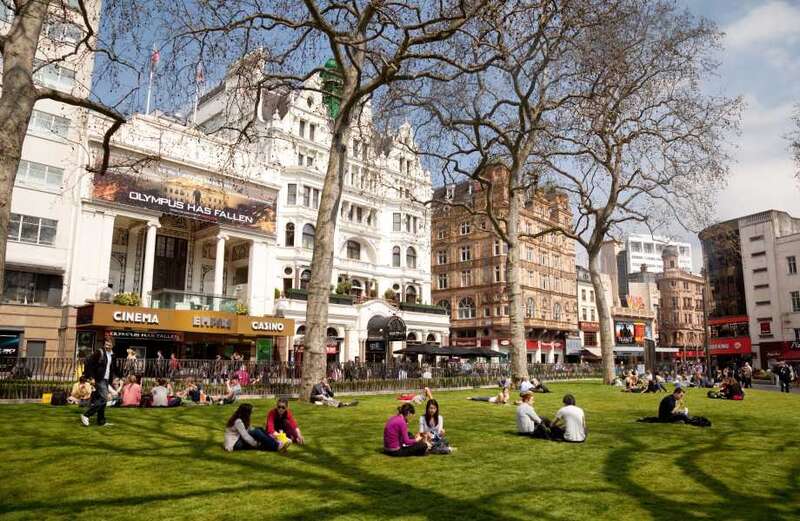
pixel 135 317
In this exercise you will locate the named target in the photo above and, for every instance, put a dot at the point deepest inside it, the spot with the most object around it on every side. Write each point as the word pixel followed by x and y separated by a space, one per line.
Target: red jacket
pixel 273 416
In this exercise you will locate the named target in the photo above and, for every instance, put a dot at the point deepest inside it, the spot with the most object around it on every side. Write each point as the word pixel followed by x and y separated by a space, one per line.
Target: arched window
pixel 301 330
pixel 411 294
pixel 308 237
pixel 411 337
pixel 331 332
pixel 411 257
pixel 556 311
pixel 530 308
pixel 444 304
pixel 396 256
pixel 466 308
pixel 305 278
pixel 289 234
pixel 353 250
pixel 355 287
pixel 431 338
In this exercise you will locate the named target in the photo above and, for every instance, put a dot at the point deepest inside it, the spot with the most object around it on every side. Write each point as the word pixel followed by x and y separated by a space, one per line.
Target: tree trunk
pixel 16 106
pixel 314 355
pixel 604 315
pixel 519 352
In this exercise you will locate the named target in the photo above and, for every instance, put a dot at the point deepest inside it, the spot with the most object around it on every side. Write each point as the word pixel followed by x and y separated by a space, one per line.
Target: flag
pixel 199 75
pixel 155 57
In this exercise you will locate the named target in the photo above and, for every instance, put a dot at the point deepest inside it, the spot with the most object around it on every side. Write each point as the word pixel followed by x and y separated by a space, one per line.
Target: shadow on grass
pixel 776 504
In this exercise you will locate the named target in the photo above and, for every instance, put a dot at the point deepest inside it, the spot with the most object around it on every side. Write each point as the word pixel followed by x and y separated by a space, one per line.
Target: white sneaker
pixel 106 424
pixel 85 420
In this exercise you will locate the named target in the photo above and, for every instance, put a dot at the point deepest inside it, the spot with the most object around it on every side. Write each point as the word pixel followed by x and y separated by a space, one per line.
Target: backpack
pixel 59 397
pixel 147 400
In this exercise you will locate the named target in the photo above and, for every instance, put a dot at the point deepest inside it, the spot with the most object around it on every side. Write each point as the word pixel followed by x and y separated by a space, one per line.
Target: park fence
pixel 29 378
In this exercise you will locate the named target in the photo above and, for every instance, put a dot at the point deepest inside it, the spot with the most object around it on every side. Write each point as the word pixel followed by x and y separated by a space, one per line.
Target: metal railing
pixel 29 378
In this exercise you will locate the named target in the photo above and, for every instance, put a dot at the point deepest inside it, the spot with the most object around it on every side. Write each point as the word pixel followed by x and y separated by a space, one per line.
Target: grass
pixel 168 464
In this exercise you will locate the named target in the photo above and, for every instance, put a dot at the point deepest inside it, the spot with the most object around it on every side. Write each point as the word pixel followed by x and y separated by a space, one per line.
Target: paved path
pixel 762 387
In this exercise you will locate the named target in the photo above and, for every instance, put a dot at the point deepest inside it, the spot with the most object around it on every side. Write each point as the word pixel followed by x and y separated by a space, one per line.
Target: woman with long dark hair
pixel 239 435
pixel 431 425
pixel 396 439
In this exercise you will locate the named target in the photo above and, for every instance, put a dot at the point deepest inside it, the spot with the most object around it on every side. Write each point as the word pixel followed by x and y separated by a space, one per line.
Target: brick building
pixel 681 309
pixel 469 263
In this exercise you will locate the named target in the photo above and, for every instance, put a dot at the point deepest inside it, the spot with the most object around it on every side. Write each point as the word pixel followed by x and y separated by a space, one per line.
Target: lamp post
pixel 705 319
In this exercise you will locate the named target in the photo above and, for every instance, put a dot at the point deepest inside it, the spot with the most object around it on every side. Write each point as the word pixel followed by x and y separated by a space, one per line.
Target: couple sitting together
pixel 279 432
pixel 729 390
pixel 398 442
pixel 569 423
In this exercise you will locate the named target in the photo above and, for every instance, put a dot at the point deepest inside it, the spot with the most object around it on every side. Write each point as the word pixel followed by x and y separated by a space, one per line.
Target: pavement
pixel 769 387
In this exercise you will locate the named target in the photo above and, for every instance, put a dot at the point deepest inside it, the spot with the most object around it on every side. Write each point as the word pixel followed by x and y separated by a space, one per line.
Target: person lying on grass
pixel 280 420
pixel 397 441
pixel 416 398
pixel 239 435
pixel 500 398
pixel 431 425
pixel 533 385
pixel 233 392
pixel 322 394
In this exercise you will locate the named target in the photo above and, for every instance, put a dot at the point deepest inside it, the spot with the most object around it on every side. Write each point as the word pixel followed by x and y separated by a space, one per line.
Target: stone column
pixel 149 259
pixel 219 267
pixel 258 298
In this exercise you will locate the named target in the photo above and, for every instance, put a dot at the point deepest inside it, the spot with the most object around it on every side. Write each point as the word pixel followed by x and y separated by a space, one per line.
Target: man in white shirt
pixel 570 422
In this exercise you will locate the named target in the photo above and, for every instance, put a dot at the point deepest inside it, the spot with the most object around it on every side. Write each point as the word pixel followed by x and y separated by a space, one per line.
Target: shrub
pixel 388 294
pixel 127 298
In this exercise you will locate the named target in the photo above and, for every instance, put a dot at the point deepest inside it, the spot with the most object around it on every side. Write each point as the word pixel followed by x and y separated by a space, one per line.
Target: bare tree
pixel 794 139
pixel 642 144
pixel 363 46
pixel 30 46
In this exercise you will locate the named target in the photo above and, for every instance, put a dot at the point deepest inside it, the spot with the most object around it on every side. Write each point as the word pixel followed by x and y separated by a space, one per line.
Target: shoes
pixel 105 424
pixel 453 449
pixel 85 420
pixel 349 404
pixel 284 445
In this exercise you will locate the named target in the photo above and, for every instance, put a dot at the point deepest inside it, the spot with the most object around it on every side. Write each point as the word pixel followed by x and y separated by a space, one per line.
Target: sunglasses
pixel 281 408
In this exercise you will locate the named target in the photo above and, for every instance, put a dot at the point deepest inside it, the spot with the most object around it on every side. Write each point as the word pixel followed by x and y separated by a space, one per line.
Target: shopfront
pixel 772 352
pixel 198 334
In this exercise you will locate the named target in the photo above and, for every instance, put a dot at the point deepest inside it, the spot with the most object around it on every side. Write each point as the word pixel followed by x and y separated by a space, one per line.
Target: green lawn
pixel 169 464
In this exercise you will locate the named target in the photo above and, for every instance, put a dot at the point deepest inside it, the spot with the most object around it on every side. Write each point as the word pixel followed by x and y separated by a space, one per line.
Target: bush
pixel 277 293
pixel 128 298
pixel 389 294
pixel 241 309
pixel 344 287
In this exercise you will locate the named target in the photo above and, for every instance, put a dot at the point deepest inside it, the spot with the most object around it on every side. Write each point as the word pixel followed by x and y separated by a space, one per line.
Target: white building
pixel 33 316
pixel 588 318
pixel 646 249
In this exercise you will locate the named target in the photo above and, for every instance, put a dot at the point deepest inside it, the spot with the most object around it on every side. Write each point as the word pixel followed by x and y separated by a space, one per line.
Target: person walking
pixel 747 375
pixel 100 367
pixel 785 377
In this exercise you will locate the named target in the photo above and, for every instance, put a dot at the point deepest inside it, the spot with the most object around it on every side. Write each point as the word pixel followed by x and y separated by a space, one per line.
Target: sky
pixel 761 63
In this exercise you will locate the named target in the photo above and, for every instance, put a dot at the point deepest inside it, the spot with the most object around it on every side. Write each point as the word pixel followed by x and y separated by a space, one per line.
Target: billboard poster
pixel 638 333
pixel 623 332
pixel 216 200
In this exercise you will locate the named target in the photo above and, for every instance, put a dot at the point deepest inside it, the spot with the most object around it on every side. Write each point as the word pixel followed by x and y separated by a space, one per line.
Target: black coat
pixel 96 366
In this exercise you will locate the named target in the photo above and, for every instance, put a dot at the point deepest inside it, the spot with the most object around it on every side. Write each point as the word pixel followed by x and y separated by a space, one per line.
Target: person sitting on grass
pixel 190 391
pixel 233 391
pixel 672 408
pixel 528 422
pixel 163 395
pixel 131 392
pixel 280 419
pixel 239 435
pixel 416 398
pixel 500 398
pixel 322 394
pixel 114 390
pixel 396 439
pixel 569 423
pixel 431 425
pixel 729 390
pixel 81 392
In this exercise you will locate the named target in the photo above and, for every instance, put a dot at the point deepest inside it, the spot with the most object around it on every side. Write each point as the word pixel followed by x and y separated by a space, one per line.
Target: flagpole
pixel 149 89
pixel 196 100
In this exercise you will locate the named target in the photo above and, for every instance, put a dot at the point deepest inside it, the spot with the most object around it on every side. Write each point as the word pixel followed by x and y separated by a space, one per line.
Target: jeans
pixel 420 448
pixel 98 402
pixel 265 441
pixel 785 386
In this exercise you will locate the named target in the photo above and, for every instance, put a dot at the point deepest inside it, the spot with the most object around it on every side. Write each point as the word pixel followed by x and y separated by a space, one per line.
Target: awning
pixel 464 352
pixel 591 355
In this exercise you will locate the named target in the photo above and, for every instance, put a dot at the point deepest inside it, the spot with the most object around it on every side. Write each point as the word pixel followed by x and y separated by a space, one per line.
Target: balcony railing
pixel 302 294
pixel 29 378
pixel 175 299
pixel 423 308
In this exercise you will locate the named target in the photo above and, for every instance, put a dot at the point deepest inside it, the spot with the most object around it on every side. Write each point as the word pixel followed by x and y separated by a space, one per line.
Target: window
pixel 24 287
pixel 445 304
pixel 38 174
pixel 797 334
pixel 487 311
pixel 46 123
pixel 466 308
pixel 411 257
pixel 397 222
pixel 636 246
pixel 312 129
pixel 442 280
pixel 289 237
pixel 757 238
pixel 307 196
pixel 685 285
pixel 648 247
pixel 54 75
pixel 441 256
pixel 34 230
pixel 591 295
pixel 305 278
pixel 408 223
pixel 440 233
pixel 795 301
pixel 591 313
pixel 62 32
pixel 6 13
pixel 760 270
pixel 530 308
pixel 556 311
pixel 291 194
pixel 356 148
pixel 497 248
pixel 353 250
pixel 466 253
pixel 584 314
pixel 545 282
pixel 529 254
pixel 765 327
pixel 758 254
pixel 466 278
pixel 465 228
pixel 396 256
pixel 308 237
pixel 302 130
pixel 497 274
pixel 583 295
pixel 792 264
